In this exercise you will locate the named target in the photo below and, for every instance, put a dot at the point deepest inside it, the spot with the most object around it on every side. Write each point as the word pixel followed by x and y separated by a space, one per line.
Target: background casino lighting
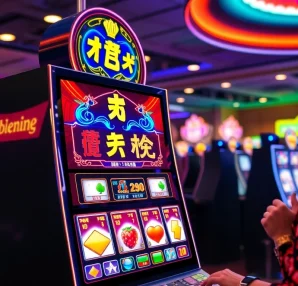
pixel 251 26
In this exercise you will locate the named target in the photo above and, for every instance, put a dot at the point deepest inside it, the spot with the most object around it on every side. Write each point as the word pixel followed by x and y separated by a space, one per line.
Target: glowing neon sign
pixel 231 132
pixel 102 43
pixel 96 41
pixel 230 128
pixel 112 129
pixel 194 129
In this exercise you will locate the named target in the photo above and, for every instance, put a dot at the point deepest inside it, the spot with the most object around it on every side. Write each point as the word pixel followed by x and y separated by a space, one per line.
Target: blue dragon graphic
pixel 146 122
pixel 85 117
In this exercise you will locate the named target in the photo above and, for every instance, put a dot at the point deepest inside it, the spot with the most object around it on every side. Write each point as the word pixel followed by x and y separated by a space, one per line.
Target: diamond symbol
pixel 93 271
pixel 97 242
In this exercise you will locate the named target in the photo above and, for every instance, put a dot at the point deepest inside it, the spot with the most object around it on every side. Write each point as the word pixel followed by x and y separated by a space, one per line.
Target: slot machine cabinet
pixel 261 191
pixel 216 206
pixel 91 189
pixel 48 211
pixel 33 242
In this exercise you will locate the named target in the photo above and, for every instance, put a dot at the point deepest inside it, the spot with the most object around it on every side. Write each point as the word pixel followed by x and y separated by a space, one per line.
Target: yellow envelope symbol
pixel 176 229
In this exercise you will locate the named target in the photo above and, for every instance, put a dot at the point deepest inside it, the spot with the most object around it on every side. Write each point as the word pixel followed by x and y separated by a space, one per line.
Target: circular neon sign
pixel 96 41
pixel 102 43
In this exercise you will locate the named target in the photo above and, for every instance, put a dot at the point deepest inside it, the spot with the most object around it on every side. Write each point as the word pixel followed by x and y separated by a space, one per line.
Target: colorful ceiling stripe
pixel 282 7
pixel 236 25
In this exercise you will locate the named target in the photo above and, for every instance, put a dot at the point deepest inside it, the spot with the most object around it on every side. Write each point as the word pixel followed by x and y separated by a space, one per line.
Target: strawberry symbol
pixel 129 236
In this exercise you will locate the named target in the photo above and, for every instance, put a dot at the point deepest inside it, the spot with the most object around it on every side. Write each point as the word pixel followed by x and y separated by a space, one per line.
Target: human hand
pixel 278 218
pixel 223 278
pixel 294 203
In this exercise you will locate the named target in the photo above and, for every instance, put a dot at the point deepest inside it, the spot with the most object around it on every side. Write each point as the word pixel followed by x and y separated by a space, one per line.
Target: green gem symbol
pixel 161 185
pixel 100 188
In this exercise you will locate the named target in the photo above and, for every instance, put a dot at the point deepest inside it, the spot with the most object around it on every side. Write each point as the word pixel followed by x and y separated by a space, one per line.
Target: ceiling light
pixel 147 59
pixel 263 99
pixel 193 67
pixel 7 37
pixel 236 104
pixel 180 99
pixel 225 85
pixel 189 90
pixel 280 77
pixel 52 18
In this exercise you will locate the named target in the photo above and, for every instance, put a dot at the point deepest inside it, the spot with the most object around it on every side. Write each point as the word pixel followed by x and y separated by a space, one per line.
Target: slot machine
pixel 89 181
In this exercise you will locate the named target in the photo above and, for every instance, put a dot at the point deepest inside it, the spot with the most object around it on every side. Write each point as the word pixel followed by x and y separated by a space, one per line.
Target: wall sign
pixel 22 125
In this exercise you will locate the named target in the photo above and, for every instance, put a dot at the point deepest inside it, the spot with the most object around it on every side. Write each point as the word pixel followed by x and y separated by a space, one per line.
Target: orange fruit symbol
pixel 155 233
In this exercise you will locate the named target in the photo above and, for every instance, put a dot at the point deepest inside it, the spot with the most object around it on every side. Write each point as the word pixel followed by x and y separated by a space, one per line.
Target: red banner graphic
pixel 22 125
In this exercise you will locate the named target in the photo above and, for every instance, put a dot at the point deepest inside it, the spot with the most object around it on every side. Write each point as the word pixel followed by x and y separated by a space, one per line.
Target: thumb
pixel 294 202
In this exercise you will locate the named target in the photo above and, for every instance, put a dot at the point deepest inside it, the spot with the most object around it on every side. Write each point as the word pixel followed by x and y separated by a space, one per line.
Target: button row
pixel 196 279
pixel 126 264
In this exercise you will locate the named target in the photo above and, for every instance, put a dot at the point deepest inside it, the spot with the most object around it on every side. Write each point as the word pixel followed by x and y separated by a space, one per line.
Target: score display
pixel 125 200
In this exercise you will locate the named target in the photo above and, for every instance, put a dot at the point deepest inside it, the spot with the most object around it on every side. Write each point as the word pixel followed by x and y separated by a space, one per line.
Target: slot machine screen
pixel 282 158
pixel 294 158
pixel 295 175
pixel 287 181
pixel 127 211
pixel 244 163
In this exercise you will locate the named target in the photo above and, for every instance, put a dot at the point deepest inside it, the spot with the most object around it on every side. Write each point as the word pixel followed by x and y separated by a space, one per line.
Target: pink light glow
pixel 230 128
pixel 195 129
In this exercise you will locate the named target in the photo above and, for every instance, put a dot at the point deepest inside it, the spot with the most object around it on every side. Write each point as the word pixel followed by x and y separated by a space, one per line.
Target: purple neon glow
pixel 178 70
pixel 179 115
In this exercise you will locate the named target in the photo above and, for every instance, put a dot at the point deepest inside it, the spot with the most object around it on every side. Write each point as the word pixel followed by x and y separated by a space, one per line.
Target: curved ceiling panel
pixel 237 25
